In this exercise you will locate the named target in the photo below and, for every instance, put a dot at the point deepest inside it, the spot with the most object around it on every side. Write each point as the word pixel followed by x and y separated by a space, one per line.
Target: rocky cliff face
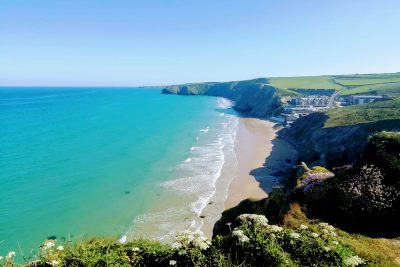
pixel 255 97
pixel 334 146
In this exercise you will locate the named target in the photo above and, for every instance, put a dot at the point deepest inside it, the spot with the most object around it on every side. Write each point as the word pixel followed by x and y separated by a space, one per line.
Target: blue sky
pixel 156 42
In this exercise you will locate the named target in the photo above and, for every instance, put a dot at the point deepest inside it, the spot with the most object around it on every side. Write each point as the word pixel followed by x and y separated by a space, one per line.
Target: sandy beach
pixel 259 159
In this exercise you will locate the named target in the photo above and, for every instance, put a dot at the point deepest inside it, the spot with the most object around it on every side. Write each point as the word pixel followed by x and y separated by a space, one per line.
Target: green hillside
pixel 308 82
pixel 379 84
pixel 378 111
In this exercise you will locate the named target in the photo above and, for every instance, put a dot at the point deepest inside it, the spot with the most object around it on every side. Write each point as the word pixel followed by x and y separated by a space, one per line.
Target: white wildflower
pixel 327 226
pixel 1 258
pixel 10 255
pixel 60 248
pixel 241 236
pixel 314 235
pixel 188 239
pixel 48 244
pixel 333 234
pixel 330 227
pixel 176 245
pixel 253 219
pixel 275 228
pixel 123 239
pixel 335 243
pixel 324 231
pixel 172 262
pixel 353 261
pixel 294 235
pixel 135 249
pixel 182 252
pixel 327 248
pixel 303 227
pixel 53 263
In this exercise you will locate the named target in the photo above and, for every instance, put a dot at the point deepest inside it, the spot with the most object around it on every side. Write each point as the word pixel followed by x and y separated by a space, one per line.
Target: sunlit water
pixel 106 162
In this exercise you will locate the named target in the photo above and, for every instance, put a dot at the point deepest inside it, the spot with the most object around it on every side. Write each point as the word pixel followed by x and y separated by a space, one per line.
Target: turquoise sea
pixel 78 162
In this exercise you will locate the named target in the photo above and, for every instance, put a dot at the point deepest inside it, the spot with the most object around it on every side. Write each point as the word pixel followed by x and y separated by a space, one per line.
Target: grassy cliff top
pixel 373 112
pixel 379 84
pixel 392 136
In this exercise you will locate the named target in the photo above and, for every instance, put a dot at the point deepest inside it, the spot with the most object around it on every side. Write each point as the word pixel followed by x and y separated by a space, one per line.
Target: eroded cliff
pixel 253 97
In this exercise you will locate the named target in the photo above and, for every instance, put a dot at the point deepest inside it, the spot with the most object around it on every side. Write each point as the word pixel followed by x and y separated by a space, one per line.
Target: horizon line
pixel 164 85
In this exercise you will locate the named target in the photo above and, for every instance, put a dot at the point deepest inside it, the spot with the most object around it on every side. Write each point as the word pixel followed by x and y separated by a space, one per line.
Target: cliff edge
pixel 253 97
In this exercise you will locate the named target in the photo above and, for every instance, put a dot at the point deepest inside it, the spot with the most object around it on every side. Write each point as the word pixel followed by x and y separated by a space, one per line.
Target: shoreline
pixel 252 146
pixel 257 165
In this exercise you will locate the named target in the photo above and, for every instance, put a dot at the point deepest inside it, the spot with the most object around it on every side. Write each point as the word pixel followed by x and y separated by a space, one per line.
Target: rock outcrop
pixel 333 146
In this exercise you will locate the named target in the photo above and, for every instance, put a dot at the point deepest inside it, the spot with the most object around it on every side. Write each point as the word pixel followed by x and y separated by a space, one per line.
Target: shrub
pixel 258 244
pixel 316 175
pixel 363 194
pixel 352 197
pixel 383 151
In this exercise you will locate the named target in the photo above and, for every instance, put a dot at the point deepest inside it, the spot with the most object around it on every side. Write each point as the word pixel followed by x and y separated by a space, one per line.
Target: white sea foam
pixel 202 172
pixel 205 130
pixel 196 178
pixel 224 103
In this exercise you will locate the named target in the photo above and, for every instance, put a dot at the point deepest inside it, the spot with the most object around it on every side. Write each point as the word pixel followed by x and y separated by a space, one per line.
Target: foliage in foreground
pixel 253 243
pixel 375 251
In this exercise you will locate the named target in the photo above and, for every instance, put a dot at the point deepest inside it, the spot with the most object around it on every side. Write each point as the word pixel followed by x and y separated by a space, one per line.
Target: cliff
pixel 339 137
pixel 253 97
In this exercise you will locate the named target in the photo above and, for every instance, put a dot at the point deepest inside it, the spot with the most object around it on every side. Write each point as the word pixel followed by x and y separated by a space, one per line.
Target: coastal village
pixel 315 100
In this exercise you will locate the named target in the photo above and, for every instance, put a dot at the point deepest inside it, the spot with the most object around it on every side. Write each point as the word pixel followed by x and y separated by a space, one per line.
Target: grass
pixel 373 112
pixel 378 251
pixel 367 81
pixel 265 246
pixel 308 82
pixel 388 84
pixel 392 89
pixel 390 136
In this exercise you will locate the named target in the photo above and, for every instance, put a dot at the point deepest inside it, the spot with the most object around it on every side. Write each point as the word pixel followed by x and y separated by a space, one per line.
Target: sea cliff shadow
pixel 278 165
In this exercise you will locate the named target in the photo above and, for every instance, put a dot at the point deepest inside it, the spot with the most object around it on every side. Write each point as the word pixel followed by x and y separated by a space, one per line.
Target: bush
pixel 313 176
pixel 383 151
pixel 352 197
pixel 363 194
pixel 258 244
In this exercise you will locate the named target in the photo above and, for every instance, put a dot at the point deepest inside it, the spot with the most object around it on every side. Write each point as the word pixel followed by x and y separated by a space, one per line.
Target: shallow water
pixel 106 161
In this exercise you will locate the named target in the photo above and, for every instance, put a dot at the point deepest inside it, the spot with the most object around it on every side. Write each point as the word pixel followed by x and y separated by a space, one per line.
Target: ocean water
pixel 82 162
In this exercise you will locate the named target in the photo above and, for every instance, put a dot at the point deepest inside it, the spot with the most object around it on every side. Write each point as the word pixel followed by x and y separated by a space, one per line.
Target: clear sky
pixel 157 42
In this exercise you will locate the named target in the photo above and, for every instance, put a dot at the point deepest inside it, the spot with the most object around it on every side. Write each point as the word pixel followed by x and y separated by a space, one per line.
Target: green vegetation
pixel 367 191
pixel 373 112
pixel 379 84
pixel 253 242
pixel 367 81
pixel 392 89
pixel 376 251
pixel 308 82
pixel 382 151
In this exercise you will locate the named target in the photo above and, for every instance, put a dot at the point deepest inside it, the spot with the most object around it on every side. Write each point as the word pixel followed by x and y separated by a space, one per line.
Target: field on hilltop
pixel 378 84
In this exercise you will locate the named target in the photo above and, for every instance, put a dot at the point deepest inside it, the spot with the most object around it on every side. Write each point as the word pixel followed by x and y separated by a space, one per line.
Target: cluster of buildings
pixel 358 99
pixel 302 106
